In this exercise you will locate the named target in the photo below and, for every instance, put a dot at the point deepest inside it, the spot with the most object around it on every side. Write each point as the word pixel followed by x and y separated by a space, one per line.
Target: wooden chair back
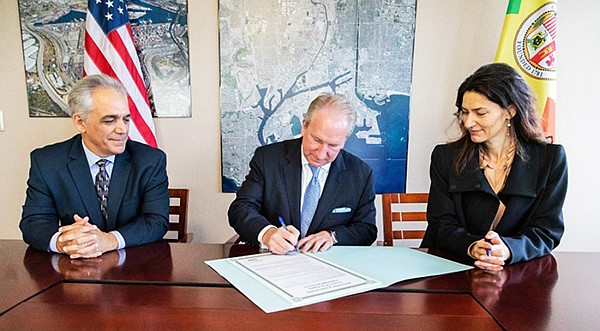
pixel 407 224
pixel 178 216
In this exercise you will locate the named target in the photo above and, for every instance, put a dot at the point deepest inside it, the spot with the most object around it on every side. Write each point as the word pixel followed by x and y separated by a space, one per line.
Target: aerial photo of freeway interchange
pixel 53 33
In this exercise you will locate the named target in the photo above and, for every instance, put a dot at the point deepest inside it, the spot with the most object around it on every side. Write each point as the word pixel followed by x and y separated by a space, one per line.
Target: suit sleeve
pixel 39 220
pixel 245 211
pixel 361 230
pixel 153 220
pixel 444 228
pixel 544 231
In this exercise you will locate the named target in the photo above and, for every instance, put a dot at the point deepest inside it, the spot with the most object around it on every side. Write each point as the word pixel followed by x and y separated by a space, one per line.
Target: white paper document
pixel 275 282
pixel 303 278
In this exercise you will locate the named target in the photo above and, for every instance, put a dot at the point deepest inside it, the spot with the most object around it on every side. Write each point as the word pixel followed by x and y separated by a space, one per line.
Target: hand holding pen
pixel 488 251
pixel 283 239
pixel 292 230
pixel 496 252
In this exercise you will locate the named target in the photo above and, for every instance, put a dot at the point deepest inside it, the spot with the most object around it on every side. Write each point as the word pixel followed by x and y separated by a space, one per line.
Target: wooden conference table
pixel 168 286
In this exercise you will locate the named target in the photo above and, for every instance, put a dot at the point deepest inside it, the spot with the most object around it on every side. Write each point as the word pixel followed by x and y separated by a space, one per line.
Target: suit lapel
pixel 472 179
pixel 80 173
pixel 520 187
pixel 522 179
pixel 330 191
pixel 118 182
pixel 292 178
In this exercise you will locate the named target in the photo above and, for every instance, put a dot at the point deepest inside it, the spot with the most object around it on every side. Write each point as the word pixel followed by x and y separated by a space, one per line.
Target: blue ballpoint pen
pixel 284 226
pixel 281 221
pixel 488 251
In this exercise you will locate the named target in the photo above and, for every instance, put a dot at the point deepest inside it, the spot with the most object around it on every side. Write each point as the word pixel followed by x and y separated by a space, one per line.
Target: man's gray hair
pixel 79 100
pixel 338 102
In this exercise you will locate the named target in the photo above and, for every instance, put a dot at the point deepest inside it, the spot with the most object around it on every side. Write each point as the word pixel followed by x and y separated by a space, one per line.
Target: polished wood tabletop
pixel 164 284
pixel 16 283
pixel 219 308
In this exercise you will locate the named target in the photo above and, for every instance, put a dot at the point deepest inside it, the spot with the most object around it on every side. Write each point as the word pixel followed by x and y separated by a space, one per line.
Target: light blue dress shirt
pixel 94 168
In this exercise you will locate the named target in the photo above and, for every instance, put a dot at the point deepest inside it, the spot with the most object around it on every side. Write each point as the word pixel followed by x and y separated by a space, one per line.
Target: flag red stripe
pixel 117 42
pixel 141 125
pixel 109 49
pixel 96 56
pixel 104 66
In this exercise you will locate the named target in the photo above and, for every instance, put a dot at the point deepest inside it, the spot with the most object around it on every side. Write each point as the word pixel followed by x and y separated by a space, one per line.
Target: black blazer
pixel 273 188
pixel 60 185
pixel 461 208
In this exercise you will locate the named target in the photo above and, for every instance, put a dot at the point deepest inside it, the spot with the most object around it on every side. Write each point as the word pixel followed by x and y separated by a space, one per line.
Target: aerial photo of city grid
pixel 278 55
pixel 53 34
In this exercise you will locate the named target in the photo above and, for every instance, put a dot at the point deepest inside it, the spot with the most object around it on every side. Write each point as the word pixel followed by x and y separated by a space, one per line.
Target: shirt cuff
pixel 52 246
pixel 120 239
pixel 262 233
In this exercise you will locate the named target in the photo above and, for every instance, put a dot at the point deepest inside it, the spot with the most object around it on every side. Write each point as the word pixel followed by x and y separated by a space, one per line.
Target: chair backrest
pixel 407 224
pixel 178 215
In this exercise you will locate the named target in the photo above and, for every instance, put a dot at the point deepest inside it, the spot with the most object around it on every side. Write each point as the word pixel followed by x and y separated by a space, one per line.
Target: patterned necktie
pixel 102 182
pixel 311 200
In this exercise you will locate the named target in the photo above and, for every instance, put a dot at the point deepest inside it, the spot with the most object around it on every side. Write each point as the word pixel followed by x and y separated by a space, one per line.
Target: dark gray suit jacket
pixel 60 185
pixel 273 188
pixel 461 208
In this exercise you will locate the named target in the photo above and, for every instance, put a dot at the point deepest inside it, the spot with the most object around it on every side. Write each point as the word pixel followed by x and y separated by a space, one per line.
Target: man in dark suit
pixel 283 177
pixel 97 191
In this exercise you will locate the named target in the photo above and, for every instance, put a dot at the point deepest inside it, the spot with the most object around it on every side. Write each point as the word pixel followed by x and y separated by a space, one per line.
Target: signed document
pixel 303 278
pixel 276 282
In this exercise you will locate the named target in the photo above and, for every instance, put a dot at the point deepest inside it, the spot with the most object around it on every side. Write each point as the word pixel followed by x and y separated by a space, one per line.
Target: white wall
pixel 453 38
pixel 578 119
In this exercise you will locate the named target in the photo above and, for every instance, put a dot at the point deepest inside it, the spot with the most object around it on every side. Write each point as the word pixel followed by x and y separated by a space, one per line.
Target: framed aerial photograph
pixel 277 56
pixel 53 33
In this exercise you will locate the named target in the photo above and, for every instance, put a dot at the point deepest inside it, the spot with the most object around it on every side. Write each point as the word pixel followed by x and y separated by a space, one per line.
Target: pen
pixel 488 251
pixel 284 226
pixel 281 221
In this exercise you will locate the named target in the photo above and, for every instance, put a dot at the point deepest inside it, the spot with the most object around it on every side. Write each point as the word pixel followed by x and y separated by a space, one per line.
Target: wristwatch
pixel 333 236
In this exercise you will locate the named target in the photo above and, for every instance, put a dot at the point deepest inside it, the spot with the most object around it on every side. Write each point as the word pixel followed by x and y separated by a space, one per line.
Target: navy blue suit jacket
pixel 60 185
pixel 462 208
pixel 273 188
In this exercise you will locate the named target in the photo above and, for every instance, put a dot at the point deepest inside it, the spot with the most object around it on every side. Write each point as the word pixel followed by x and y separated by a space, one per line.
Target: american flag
pixel 109 50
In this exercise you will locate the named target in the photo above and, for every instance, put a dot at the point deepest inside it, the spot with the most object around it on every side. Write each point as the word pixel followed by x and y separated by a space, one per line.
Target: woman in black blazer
pixel 497 192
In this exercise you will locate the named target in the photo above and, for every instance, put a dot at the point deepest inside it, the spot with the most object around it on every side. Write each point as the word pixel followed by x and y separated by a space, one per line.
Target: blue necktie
pixel 311 200
pixel 102 182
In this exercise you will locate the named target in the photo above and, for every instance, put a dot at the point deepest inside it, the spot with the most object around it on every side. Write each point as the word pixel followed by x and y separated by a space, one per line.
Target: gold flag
pixel 528 44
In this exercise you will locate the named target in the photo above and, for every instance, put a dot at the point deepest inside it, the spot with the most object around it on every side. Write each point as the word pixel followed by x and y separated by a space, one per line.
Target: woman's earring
pixel 508 132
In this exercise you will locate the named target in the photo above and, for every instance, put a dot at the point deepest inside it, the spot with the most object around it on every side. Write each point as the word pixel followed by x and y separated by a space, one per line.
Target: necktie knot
pixel 315 171
pixel 102 163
